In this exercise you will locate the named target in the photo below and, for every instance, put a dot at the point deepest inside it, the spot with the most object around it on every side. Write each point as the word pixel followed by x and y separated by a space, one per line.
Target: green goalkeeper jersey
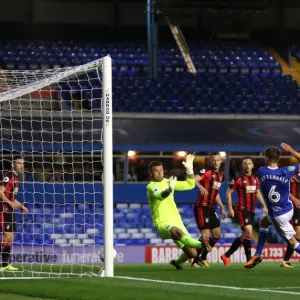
pixel 165 209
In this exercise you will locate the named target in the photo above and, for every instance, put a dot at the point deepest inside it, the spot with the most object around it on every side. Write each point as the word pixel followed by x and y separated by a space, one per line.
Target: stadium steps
pixel 294 70
pixel 296 66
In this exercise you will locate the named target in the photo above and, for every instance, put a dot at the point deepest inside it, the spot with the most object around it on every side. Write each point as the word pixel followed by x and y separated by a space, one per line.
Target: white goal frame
pixel 108 167
pixel 107 138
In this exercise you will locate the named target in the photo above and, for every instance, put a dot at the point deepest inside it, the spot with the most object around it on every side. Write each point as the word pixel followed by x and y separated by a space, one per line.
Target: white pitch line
pixel 283 288
pixel 25 278
pixel 262 290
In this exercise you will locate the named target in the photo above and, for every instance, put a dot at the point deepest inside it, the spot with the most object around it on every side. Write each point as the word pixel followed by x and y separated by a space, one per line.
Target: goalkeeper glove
pixel 188 163
pixel 172 182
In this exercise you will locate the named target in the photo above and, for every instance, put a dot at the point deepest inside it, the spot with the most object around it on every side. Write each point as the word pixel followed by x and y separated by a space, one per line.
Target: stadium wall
pixel 55 255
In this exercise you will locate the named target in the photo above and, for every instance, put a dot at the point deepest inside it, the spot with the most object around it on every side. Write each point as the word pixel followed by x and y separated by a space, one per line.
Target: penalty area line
pixel 261 290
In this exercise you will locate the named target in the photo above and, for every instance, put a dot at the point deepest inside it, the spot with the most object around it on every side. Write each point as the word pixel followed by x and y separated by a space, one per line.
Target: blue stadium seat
pixel 135 220
pixel 227 73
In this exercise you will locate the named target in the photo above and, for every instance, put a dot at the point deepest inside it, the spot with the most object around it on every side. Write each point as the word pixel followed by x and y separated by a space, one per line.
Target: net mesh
pixel 54 119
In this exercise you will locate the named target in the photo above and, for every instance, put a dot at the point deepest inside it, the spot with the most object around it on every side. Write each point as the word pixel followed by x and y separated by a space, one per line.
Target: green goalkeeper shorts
pixel 163 229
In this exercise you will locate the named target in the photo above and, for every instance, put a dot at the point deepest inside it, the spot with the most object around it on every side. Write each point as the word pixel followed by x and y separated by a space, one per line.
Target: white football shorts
pixel 282 225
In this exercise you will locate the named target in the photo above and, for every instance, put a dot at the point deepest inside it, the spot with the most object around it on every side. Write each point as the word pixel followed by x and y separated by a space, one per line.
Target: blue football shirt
pixel 275 187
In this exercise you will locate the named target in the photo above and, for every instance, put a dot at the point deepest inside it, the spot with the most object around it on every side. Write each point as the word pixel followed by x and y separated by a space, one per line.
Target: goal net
pixel 60 122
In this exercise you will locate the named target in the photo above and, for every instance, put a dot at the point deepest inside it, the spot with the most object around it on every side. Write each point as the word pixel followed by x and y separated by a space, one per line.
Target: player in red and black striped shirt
pixel 247 187
pixel 209 183
pixel 295 197
pixel 8 204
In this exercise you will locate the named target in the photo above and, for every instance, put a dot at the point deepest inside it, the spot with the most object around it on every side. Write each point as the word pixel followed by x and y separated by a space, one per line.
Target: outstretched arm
pixel 189 183
pixel 289 149
pixel 186 185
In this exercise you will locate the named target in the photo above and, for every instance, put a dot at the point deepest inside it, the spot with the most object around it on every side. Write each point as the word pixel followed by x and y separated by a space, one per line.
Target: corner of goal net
pixel 92 274
pixel 102 273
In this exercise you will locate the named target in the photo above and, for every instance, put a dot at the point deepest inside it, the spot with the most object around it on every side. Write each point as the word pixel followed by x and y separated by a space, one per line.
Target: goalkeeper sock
pixel 247 247
pixel 190 242
pixel 262 238
pixel 234 246
pixel 5 254
pixel 182 258
pixel 212 242
pixel 199 252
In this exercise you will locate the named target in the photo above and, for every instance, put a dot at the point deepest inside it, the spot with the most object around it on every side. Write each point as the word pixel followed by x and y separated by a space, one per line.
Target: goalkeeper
pixel 165 216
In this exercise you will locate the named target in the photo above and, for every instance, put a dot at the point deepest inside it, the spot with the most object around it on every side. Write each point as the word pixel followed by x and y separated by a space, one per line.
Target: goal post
pixel 60 121
pixel 108 168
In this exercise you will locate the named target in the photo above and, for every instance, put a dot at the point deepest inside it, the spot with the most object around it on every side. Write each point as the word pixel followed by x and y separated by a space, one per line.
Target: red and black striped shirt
pixel 10 182
pixel 295 187
pixel 211 181
pixel 247 187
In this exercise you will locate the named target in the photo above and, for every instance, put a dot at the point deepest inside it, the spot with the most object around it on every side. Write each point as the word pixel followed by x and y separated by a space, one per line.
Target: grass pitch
pixel 266 281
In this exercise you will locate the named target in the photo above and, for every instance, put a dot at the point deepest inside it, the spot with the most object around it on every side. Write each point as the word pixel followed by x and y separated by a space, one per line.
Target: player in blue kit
pixel 275 186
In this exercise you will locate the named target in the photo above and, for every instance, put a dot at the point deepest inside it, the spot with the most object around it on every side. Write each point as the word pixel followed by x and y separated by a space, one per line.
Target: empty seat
pixel 132 230
pixel 194 235
pixel 55 236
pixel 169 242
pixel 88 242
pixel 150 235
pixel 69 236
pixel 146 230
pixel 156 241
pixel 124 235
pixel 137 236
pixel 122 205
pixel 74 242
pixel 60 241
pixel 230 235
pixel 82 236
pixel 227 220
pixel 92 231
pixel 119 230
pixel 135 205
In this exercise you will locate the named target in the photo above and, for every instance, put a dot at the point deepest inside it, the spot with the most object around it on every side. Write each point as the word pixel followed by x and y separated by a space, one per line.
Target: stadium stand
pixel 232 78
pixel 36 55
pixel 259 85
pixel 208 93
pixel 295 51
pixel 72 225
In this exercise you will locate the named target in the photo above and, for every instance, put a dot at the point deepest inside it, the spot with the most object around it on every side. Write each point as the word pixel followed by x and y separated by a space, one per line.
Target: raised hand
pixel 188 163
pixel 286 147
pixel 172 182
